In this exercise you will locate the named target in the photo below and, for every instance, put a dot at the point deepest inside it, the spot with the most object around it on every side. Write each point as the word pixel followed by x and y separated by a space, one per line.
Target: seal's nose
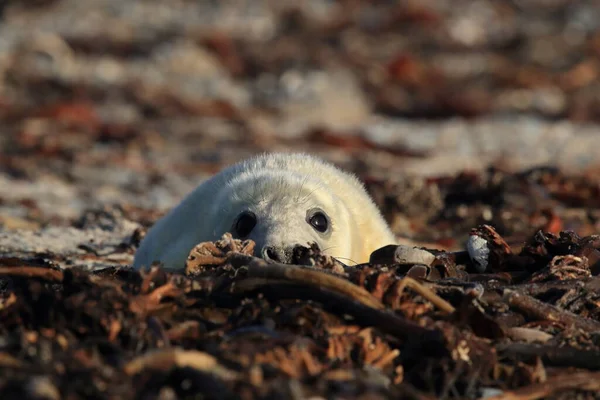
pixel 274 254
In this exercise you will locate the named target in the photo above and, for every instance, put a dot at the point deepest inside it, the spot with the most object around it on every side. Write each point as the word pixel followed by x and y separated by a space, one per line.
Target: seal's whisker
pixel 304 180
pixel 344 258
pixel 329 248
pixel 308 196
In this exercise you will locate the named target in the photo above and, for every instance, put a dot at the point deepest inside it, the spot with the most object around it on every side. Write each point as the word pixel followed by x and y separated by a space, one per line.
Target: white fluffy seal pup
pixel 279 201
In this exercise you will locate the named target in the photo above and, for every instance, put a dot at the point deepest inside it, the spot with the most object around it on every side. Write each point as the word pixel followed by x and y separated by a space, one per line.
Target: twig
pixel 538 288
pixel 579 380
pixel 527 334
pixel 187 328
pixel 9 361
pixel 409 392
pixel 151 302
pixel 556 356
pixel 166 359
pixel 47 274
pixel 157 328
pixel 293 281
pixel 386 359
pixel 547 312
pixel 427 293
pixel 259 268
pixel 364 315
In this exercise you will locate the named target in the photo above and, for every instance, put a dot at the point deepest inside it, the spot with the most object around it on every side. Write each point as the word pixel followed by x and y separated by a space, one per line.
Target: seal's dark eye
pixel 319 221
pixel 245 223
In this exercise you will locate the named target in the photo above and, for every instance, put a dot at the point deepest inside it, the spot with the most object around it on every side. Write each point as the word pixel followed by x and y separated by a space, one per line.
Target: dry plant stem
pixel 387 359
pixel 579 380
pixel 157 328
pixel 426 293
pixel 528 335
pixel 410 392
pixel 546 312
pixel 555 356
pixel 537 288
pixel 151 302
pixel 327 288
pixel 8 361
pixel 364 315
pixel 47 274
pixel 178 358
pixel 261 269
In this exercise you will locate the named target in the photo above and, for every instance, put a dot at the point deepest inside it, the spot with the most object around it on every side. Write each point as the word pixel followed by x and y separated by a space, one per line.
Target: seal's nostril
pixel 313 246
pixel 270 254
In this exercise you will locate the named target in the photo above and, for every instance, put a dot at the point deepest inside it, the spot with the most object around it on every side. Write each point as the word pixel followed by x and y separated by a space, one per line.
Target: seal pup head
pixel 282 209
pixel 279 201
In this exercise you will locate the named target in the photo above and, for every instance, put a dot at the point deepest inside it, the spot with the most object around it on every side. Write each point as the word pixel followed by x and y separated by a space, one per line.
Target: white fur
pixel 279 188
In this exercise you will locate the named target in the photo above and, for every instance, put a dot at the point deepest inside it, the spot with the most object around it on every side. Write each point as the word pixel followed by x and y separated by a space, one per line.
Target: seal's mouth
pixel 313 256
pixel 310 255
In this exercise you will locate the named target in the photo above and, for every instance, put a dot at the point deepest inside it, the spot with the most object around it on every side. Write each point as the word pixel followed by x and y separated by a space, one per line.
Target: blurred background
pixel 447 109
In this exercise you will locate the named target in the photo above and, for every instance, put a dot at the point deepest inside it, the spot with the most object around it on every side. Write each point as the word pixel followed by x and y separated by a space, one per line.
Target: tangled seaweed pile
pixel 111 111
pixel 412 323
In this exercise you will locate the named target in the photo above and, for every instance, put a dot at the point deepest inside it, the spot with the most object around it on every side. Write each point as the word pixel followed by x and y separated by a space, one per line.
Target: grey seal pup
pixel 278 200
